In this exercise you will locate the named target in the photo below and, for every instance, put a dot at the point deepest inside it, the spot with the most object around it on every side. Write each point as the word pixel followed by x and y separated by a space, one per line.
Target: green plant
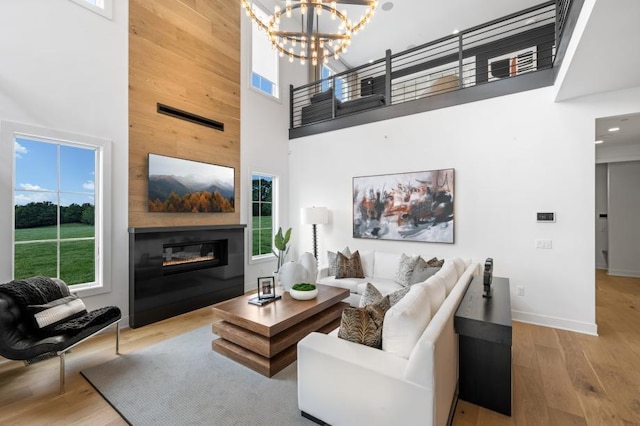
pixel 303 287
pixel 280 241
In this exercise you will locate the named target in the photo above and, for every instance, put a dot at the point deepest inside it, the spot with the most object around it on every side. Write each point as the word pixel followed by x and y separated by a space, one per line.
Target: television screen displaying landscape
pixel 184 186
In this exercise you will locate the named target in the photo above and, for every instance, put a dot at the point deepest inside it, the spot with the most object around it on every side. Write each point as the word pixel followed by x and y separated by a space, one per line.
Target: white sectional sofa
pixel 412 379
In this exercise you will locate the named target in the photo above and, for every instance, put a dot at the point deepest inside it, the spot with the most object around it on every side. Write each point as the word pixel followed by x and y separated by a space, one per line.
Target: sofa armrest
pixel 323 272
pixel 344 383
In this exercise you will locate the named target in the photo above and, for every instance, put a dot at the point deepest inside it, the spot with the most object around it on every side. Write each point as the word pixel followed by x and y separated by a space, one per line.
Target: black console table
pixel 484 328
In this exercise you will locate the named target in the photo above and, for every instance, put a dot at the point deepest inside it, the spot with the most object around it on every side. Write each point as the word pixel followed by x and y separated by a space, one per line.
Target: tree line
pixel 33 215
pixel 193 202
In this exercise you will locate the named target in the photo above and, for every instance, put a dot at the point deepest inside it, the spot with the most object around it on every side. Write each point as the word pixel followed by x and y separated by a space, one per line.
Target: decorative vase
pixel 291 273
pixel 311 267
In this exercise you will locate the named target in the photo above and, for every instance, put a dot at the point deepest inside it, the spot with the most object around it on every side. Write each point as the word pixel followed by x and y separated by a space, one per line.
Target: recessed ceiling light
pixel 614 129
pixel 370 61
pixel 599 142
pixel 456 31
pixel 387 6
pixel 530 21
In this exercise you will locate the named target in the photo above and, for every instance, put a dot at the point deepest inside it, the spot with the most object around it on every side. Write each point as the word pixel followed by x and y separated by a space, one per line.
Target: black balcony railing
pixel 507 47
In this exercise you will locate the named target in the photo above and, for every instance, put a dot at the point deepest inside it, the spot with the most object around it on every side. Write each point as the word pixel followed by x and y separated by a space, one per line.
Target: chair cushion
pixel 405 322
pixel 57 311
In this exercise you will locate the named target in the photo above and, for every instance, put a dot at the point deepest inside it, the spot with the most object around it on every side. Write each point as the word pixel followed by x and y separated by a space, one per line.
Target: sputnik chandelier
pixel 301 30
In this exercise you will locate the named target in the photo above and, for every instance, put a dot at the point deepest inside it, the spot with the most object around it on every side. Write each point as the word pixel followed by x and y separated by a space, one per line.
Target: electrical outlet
pixel 520 290
pixel 544 244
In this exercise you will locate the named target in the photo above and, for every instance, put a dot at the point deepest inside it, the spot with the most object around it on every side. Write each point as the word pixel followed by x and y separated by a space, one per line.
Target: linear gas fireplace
pixel 178 269
pixel 190 256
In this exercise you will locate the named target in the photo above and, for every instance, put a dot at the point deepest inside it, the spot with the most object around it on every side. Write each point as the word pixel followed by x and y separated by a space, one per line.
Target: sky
pixel 36 173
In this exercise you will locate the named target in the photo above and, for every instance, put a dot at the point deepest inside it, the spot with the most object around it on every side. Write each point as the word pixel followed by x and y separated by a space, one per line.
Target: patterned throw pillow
pixel 333 258
pixel 372 295
pixel 405 268
pixel 349 267
pixel 435 263
pixel 364 325
pixel 423 271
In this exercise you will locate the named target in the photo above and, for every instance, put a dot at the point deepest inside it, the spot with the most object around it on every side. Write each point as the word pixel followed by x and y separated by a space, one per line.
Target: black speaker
pixel 488 277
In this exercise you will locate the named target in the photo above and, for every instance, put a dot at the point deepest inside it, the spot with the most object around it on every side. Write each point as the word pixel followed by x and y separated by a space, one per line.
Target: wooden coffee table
pixel 264 338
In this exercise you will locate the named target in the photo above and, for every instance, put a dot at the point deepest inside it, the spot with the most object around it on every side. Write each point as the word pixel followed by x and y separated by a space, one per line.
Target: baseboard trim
pixel 313 419
pixel 554 322
pixel 624 273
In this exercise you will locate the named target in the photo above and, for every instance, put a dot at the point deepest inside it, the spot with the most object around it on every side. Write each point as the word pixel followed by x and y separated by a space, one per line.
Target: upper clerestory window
pixel 101 7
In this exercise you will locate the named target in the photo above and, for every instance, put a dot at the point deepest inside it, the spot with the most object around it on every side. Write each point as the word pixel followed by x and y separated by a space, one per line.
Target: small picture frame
pixel 266 288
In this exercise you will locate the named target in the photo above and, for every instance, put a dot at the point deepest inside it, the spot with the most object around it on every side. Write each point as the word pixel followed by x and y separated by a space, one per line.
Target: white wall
pixel 601 232
pixel 264 135
pixel 66 68
pixel 624 219
pixel 513 156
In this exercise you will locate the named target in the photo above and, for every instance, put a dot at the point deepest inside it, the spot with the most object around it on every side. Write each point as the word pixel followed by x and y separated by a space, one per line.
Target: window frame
pixel 274 216
pixel 9 132
pixel 106 12
pixel 277 95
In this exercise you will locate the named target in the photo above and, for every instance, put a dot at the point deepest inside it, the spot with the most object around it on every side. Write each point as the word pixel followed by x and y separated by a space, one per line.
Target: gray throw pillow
pixel 423 271
pixel 372 295
pixel 405 268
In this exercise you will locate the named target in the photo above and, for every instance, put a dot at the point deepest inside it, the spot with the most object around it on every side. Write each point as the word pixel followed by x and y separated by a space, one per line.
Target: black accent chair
pixel 40 318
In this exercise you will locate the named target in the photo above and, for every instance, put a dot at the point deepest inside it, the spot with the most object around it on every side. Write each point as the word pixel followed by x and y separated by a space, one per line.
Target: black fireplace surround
pixel 174 270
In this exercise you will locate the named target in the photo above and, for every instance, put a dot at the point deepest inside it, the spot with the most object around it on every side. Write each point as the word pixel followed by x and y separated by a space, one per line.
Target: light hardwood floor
pixel 560 378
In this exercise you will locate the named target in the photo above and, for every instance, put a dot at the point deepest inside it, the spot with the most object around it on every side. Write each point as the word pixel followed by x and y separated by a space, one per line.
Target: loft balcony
pixel 511 54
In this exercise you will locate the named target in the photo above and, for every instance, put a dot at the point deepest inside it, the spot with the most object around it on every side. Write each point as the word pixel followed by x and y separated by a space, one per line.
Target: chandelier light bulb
pixel 293 42
pixel 288 11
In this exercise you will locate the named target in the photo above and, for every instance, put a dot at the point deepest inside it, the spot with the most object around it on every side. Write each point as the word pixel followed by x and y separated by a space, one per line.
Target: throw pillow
pixel 434 262
pixel 364 325
pixel 349 267
pixel 321 96
pixel 405 269
pixel 422 271
pixel 57 311
pixel 372 295
pixel 332 257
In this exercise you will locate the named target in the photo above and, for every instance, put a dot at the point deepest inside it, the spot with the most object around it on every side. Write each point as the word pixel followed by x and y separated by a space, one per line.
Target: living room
pixel 69 69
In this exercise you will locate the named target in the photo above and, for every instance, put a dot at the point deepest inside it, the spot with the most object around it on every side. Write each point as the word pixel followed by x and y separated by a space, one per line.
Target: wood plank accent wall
pixel 184 54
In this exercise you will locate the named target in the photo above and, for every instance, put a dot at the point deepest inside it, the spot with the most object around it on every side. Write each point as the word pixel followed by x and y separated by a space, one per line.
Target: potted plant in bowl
pixel 303 291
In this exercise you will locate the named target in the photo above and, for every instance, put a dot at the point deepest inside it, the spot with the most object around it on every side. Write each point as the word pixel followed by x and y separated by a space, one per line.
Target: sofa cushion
pixel 437 292
pixel 364 325
pixel 372 295
pixel 367 259
pixel 332 259
pixel 405 322
pixel 450 275
pixel 459 264
pixel 385 265
pixel 422 271
pixel 405 267
pixel 384 286
pixel 349 267
pixel 352 284
pixel 57 311
pixel 321 96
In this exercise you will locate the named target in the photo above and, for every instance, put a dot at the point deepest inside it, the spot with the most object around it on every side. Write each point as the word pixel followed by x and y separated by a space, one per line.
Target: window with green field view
pixel 55 210
pixel 262 219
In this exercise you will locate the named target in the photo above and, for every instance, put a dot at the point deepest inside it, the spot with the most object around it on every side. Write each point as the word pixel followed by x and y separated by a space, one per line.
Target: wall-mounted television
pixel 177 185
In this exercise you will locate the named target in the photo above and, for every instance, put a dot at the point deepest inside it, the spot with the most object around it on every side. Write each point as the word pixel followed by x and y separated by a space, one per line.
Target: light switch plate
pixel 546 217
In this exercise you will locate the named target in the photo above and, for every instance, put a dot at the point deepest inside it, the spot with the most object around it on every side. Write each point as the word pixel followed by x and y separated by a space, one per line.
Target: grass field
pixel 262 237
pixel 77 263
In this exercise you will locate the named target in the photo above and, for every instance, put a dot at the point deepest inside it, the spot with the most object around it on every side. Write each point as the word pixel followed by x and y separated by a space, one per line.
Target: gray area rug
pixel 181 381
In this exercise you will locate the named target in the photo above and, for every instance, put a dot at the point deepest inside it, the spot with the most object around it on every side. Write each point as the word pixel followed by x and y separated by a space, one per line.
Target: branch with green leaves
pixel 280 241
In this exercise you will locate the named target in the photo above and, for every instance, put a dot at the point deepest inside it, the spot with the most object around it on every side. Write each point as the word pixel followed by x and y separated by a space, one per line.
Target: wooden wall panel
pixel 185 54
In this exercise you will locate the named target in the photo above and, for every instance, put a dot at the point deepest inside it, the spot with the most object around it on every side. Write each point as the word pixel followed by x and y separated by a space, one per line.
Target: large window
pixel 264 59
pixel 59 198
pixel 341 87
pixel 101 7
pixel 262 220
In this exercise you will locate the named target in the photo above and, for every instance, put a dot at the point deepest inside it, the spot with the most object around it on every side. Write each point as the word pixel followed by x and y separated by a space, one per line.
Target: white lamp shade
pixel 314 215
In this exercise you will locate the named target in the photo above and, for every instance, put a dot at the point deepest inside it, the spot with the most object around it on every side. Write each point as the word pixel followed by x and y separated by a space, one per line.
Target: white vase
pixel 311 267
pixel 291 273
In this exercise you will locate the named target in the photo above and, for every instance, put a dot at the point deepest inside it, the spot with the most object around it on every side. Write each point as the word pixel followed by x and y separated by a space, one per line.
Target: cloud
pixel 89 185
pixel 19 149
pixel 30 187
pixel 32 197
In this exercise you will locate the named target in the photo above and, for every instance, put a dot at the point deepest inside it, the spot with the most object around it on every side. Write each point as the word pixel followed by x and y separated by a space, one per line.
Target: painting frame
pixel 408 206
